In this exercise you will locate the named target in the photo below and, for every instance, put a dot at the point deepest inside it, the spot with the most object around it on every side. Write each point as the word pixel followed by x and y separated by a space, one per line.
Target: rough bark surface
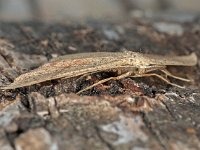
pixel 139 114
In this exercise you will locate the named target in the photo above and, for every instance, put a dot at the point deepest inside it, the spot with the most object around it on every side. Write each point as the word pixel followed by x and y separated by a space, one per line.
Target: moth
pixel 126 63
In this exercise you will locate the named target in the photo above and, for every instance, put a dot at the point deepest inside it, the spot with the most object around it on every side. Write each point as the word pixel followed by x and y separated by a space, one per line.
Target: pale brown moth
pixel 127 64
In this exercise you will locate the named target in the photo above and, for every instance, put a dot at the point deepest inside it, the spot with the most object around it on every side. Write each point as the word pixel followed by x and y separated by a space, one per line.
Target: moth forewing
pixel 91 55
pixel 47 73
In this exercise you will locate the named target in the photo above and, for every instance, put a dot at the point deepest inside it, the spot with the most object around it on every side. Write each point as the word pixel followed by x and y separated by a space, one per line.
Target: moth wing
pixel 54 70
pixel 87 55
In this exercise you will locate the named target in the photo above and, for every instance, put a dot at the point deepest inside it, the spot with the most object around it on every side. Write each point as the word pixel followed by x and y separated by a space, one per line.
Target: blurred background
pixel 112 10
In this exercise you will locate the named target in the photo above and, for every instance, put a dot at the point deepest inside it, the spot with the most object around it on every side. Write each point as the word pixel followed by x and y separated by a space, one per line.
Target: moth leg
pixel 83 76
pixel 147 69
pixel 165 71
pixel 158 76
pixel 105 80
pixel 152 68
